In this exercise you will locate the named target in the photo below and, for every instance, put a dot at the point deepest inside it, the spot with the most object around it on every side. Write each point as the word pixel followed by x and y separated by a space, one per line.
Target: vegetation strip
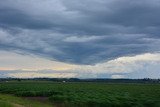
pixel 13 101
pixel 86 94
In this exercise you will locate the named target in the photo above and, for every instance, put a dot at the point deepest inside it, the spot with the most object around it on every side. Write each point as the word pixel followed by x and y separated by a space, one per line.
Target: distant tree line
pixel 106 80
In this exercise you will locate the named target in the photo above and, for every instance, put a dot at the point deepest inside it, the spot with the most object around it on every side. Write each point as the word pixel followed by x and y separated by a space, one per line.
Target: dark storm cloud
pixel 81 32
pixel 16 18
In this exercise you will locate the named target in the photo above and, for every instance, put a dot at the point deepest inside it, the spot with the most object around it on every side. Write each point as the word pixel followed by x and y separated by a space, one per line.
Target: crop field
pixel 80 94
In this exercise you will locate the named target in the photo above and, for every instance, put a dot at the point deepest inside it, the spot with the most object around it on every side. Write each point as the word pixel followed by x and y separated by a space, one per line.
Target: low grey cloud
pixel 80 32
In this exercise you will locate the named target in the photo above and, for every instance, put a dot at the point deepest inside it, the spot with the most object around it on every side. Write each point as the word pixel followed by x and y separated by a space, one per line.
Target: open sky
pixel 80 38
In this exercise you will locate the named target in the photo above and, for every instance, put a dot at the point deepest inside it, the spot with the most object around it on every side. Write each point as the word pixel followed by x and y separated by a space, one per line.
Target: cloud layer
pixel 91 38
pixel 29 66
pixel 81 32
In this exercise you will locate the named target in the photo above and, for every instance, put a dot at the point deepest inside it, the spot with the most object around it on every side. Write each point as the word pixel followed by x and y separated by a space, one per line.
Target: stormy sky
pixel 80 38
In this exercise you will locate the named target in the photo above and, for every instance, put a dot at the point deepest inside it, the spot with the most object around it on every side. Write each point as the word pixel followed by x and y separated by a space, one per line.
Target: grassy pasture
pixel 13 101
pixel 86 94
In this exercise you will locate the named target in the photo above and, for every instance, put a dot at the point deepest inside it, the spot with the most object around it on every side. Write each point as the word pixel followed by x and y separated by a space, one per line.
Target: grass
pixel 13 101
pixel 87 94
pixel 5 104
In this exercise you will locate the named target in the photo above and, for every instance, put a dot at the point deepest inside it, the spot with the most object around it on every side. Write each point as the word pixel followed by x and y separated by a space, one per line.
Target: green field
pixel 79 94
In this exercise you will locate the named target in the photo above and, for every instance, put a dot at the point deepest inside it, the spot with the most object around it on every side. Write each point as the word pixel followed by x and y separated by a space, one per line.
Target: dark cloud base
pixel 80 32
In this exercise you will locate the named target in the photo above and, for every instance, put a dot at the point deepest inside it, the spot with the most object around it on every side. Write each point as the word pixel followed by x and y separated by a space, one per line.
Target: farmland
pixel 83 94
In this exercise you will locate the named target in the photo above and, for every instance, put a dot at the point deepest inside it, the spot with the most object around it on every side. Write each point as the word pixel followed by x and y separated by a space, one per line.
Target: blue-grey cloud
pixel 81 32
